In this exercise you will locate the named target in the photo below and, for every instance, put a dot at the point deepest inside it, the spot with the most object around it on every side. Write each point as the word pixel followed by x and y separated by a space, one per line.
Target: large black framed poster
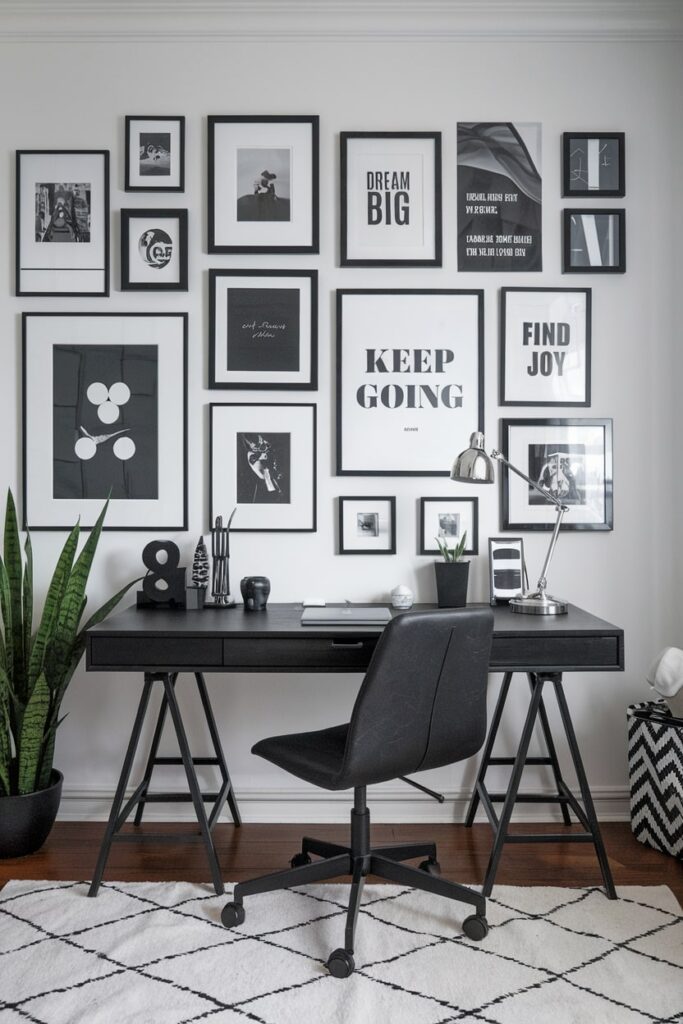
pixel 410 376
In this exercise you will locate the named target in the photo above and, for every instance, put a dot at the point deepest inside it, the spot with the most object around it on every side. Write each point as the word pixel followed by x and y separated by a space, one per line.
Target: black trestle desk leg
pixel 226 789
pixel 153 751
pixel 552 754
pixel 488 749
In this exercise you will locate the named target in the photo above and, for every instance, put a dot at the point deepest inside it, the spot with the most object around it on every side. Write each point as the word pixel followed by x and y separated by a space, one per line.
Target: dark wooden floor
pixel 71 850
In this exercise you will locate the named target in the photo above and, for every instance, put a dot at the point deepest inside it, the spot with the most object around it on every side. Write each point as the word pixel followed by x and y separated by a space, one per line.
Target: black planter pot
pixel 451 584
pixel 25 821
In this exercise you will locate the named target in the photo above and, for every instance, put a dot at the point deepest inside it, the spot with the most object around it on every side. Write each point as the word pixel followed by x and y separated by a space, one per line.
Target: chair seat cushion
pixel 316 757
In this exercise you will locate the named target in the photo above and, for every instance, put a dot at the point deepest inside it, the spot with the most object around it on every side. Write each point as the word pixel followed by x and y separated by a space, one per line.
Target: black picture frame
pixel 306 313
pixel 499 593
pixel 575 264
pixel 390 501
pixel 473 533
pixel 134 179
pixel 582 161
pixel 158 264
pixel 388 198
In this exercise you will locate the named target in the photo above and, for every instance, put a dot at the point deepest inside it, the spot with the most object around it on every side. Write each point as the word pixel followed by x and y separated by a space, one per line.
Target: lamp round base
pixel 538 604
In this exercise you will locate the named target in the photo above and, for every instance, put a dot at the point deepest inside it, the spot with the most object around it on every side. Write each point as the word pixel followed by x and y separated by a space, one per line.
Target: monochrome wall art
pixel 593 164
pixel 105 416
pixel 506 568
pixel 263 184
pixel 263 461
pixel 390 199
pixel 448 519
pixel 155 154
pixel 263 329
pixel 410 368
pixel 594 241
pixel 154 250
pixel 62 222
pixel 367 525
pixel 545 346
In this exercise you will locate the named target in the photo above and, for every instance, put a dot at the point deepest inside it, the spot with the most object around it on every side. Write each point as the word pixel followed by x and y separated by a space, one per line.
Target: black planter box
pixel 451 584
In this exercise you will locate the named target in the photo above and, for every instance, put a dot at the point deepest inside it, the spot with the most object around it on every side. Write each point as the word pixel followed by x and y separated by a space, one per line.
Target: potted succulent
pixel 35 670
pixel 452 574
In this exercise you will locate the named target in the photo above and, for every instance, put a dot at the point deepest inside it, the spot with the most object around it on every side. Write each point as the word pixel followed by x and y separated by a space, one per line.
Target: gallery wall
pixel 72 89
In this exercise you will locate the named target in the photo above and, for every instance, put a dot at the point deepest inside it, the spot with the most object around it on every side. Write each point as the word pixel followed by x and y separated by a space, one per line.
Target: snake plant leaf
pixel 32 734
pixel 14 566
pixel 53 601
pixel 47 757
pixel 5 745
pixel 28 600
pixel 6 610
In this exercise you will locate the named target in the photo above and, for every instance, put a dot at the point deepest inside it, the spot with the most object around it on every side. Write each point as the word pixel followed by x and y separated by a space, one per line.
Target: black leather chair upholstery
pixel 421 705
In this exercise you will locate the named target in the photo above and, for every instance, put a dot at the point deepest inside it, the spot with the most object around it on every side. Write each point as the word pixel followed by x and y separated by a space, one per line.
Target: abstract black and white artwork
pixel 264 470
pixel 63 211
pixel 367 525
pixel 154 250
pixel 155 154
pixel 264 184
pixel 593 164
pixel 448 520
pixel 594 241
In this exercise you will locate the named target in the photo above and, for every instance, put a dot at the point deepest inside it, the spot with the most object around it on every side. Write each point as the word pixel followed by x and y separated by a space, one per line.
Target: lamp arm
pixel 543 578
pixel 546 494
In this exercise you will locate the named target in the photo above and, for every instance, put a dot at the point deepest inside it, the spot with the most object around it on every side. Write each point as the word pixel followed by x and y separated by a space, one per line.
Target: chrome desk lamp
pixel 474 466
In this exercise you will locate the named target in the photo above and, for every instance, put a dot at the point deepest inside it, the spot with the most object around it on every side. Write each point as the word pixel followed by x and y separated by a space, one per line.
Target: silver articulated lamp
pixel 474 466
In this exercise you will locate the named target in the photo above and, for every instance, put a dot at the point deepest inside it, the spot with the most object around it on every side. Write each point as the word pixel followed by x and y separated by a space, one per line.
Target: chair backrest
pixel 422 703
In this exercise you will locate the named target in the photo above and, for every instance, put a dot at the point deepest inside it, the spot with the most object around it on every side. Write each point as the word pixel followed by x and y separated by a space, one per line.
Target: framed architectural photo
pixel 154 250
pixel 569 458
pixel 367 526
pixel 593 165
pixel 62 197
pixel 594 241
pixel 155 154
pixel 545 346
pixel 506 568
pixel 391 199
pixel 263 329
pixel 105 411
pixel 263 461
pixel 410 375
pixel 449 519
pixel 263 184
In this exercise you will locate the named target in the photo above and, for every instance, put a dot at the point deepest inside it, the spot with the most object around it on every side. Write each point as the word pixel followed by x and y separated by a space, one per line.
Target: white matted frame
pixel 154 250
pixel 367 525
pixel 449 519
pixel 155 153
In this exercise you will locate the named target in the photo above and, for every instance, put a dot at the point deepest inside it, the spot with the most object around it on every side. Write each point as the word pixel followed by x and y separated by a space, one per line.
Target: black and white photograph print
pixel 63 211
pixel 154 250
pixel 367 525
pixel 593 165
pixel 155 154
pixel 560 470
pixel 594 241
pixel 264 468
pixel 448 520
pixel 264 184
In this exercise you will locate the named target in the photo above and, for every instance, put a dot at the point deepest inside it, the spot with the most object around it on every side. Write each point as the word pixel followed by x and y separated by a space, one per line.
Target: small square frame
pixel 384 520
pixel 591 242
pixel 581 162
pixel 135 181
pixel 472 548
pixel 153 252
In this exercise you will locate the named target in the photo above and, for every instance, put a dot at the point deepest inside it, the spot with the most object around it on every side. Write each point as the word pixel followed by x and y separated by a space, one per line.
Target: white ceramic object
pixel 402 597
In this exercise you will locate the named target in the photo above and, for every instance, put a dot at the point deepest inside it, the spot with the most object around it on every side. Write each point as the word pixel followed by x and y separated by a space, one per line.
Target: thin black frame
pixel 180 187
pixel 314 121
pixel 567 213
pixel 501 359
pixel 345 261
pixel 473 547
pixel 567 525
pixel 311 385
pixel 593 193
pixel 17 269
pixel 143 286
pixel 504 540
pixel 392 519
pixel 114 529
pixel 314 476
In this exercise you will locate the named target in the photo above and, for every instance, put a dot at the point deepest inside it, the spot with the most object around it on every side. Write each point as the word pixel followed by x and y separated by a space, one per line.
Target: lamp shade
pixel 473 466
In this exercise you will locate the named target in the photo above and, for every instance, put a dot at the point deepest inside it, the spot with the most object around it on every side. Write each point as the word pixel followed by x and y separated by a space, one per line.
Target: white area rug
pixel 157 954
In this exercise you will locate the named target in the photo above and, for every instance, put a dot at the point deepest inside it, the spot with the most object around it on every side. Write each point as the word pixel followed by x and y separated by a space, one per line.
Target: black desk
pixel 163 644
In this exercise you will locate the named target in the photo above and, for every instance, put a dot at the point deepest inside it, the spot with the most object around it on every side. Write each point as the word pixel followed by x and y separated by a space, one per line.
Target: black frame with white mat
pixel 161 168
pixel 367 525
pixel 461 515
pixel 154 250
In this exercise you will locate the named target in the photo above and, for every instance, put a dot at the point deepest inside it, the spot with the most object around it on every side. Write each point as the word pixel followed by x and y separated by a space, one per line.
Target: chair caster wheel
pixel 299 860
pixel 232 914
pixel 340 964
pixel 475 927
pixel 432 867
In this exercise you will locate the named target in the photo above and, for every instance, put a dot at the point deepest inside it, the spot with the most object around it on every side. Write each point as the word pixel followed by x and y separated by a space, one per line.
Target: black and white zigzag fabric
pixel 655 760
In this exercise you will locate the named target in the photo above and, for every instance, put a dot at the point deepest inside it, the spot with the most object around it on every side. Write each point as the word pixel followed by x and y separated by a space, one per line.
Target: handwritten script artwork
pixel 263 329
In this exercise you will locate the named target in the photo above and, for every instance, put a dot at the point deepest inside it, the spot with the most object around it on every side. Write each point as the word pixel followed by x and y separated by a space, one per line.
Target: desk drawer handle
pixel 351 643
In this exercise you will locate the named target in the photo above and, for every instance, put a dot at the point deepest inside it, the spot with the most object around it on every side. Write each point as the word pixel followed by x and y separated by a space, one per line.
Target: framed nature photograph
pixel 62 222
pixel 104 415
pixel 390 199
pixel 448 519
pixel 263 184
pixel 410 376
pixel 263 462
pixel 154 250
pixel 593 165
pixel 367 526
pixel 263 329
pixel 545 346
pixel 155 154
pixel 594 241
pixel 571 459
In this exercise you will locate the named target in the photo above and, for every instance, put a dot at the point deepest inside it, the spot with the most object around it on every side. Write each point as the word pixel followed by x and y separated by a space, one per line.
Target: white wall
pixel 68 83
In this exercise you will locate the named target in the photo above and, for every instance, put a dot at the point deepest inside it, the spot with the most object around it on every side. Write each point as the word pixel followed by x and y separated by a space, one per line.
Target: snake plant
pixel 36 667
pixel 452 554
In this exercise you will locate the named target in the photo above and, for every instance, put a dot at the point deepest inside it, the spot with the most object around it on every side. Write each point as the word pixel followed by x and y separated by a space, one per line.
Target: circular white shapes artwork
pixel 108 401
pixel 155 248
pixel 85 448
pixel 124 448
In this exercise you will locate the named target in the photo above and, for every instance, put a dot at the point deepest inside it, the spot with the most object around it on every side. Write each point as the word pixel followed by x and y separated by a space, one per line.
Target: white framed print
pixel 154 250
pixel 155 154
pixel 367 525
pixel 449 519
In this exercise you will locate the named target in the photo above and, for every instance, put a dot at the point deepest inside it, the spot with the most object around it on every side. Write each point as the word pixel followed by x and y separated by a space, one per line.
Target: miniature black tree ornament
pixel 200 565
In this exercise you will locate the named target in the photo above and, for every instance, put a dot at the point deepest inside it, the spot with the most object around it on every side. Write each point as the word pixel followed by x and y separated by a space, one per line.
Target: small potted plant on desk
pixel 452 574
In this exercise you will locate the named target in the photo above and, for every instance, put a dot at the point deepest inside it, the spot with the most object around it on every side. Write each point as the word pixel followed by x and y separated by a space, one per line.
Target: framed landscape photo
pixel 390 199
pixel 154 250
pixel 263 329
pixel 448 519
pixel 593 165
pixel 571 459
pixel 155 154
pixel 410 379
pixel 367 526
pixel 594 241
pixel 263 184
pixel 62 222
pixel 262 461
pixel 545 346
pixel 104 415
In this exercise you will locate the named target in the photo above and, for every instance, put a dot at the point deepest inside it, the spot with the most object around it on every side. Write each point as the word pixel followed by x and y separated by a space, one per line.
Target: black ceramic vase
pixel 25 821
pixel 451 584
pixel 255 590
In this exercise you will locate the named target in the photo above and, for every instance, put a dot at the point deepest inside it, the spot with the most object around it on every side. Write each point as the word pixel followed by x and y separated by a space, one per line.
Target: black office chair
pixel 421 705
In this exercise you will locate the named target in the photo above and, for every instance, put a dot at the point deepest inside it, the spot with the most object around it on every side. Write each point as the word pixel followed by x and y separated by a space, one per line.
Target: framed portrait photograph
pixel 410 376
pixel 390 199
pixel 62 197
pixel 154 250
pixel 263 329
pixel 367 525
pixel 571 459
pixel 155 154
pixel 594 241
pixel 263 462
pixel 104 415
pixel 506 568
pixel 545 346
pixel 593 165
pixel 448 519
pixel 263 184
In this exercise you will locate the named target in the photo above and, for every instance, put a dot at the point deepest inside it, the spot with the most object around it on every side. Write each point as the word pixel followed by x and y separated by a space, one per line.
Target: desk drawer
pixel 321 653
pixel 555 653
pixel 149 653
